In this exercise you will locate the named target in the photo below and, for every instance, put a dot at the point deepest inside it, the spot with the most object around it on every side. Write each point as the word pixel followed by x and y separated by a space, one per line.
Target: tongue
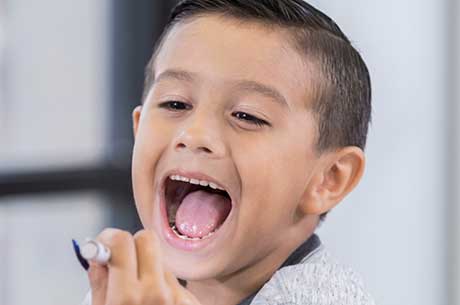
pixel 201 213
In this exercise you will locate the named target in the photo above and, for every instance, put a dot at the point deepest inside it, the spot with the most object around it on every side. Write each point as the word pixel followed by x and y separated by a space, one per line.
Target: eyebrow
pixel 176 75
pixel 246 85
pixel 268 91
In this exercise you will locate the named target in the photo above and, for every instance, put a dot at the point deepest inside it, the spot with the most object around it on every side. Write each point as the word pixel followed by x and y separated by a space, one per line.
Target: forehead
pixel 222 50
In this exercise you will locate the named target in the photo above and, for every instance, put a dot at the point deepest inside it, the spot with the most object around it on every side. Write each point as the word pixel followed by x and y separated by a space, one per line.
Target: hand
pixel 135 274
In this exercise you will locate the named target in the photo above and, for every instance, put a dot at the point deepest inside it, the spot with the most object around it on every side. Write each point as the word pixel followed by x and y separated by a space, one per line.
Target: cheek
pixel 274 175
pixel 151 141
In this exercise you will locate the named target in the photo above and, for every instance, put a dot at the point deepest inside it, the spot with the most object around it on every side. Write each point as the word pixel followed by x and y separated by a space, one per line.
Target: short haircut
pixel 341 102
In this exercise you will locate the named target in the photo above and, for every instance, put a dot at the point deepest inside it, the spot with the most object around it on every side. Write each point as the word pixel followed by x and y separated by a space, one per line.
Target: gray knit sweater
pixel 317 280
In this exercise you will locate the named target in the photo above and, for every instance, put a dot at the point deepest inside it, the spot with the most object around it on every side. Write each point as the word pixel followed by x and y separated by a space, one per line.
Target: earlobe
pixel 338 175
pixel 314 195
pixel 136 118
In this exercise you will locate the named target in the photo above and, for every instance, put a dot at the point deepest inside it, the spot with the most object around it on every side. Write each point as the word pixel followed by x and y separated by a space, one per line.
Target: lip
pixel 167 232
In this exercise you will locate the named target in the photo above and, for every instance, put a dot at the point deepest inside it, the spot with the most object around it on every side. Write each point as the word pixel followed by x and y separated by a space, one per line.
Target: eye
pixel 243 116
pixel 175 105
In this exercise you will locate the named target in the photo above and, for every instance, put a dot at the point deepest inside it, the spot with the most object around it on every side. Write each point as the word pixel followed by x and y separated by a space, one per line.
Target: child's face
pixel 264 168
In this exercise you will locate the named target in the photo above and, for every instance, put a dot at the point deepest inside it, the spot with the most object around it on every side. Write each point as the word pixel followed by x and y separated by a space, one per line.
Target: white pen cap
pixel 95 251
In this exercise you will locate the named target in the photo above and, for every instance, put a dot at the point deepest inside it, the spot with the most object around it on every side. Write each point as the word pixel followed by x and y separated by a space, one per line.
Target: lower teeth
pixel 173 227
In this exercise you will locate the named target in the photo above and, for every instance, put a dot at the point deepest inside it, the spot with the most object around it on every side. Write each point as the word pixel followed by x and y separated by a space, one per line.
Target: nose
pixel 200 135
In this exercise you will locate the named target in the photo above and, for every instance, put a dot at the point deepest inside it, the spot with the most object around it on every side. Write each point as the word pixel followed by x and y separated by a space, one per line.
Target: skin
pixel 279 182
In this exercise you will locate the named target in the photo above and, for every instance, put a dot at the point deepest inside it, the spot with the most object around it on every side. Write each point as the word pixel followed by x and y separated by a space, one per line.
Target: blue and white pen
pixel 91 250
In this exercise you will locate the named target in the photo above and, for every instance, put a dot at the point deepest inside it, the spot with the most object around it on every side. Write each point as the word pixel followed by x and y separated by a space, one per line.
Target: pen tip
pixel 82 261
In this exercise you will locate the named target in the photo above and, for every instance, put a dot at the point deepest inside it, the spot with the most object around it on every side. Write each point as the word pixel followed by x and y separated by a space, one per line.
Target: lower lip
pixel 182 244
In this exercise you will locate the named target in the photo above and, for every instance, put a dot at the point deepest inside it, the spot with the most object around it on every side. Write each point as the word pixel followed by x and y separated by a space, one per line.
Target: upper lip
pixel 198 176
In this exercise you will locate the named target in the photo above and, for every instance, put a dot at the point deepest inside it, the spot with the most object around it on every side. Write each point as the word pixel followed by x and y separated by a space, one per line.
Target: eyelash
pixel 249 118
pixel 243 116
pixel 169 105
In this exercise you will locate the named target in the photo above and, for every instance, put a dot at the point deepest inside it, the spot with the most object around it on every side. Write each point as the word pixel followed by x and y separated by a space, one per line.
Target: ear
pixel 136 118
pixel 337 175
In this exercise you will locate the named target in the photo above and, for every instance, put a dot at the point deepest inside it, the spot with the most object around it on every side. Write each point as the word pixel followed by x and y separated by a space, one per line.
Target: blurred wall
pixel 55 83
pixel 393 227
pixel 53 105
pixel 454 161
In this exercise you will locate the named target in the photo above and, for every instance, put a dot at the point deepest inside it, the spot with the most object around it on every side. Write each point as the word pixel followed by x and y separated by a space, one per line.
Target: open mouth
pixel 195 209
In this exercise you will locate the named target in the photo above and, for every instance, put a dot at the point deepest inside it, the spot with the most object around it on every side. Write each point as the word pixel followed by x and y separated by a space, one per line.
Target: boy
pixel 252 127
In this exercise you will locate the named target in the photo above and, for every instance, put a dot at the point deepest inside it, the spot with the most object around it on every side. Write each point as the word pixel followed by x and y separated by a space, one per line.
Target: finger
pixel 122 266
pixel 97 275
pixel 150 269
pixel 149 261
pixel 171 279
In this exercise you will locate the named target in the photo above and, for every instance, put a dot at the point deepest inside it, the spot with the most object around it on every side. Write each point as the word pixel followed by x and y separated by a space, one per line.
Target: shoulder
pixel 318 280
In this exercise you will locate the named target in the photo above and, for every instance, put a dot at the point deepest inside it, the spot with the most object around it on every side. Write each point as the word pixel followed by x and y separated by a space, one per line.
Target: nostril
pixel 205 149
pixel 181 145
pixel 198 149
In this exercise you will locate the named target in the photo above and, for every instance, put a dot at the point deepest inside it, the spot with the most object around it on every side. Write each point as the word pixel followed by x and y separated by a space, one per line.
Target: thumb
pixel 98 276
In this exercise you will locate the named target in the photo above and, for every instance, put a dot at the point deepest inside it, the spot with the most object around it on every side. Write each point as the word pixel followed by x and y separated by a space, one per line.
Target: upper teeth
pixel 196 181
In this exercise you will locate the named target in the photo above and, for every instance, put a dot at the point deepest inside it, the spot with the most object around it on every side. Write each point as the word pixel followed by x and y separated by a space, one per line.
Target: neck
pixel 235 287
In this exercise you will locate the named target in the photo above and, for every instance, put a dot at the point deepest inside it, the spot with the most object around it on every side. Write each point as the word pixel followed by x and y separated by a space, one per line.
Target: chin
pixel 194 271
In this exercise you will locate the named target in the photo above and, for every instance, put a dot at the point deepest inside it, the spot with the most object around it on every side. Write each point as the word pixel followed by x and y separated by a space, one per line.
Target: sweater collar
pixel 312 243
